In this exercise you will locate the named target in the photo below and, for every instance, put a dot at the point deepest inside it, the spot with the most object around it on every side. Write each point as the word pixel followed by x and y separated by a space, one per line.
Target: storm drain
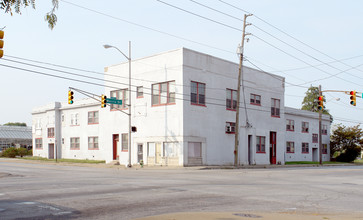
pixel 247 215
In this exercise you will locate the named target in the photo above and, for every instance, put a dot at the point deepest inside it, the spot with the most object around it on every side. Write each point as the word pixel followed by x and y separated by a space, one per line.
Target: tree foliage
pixel 310 101
pixel 10 6
pixel 15 124
pixel 346 142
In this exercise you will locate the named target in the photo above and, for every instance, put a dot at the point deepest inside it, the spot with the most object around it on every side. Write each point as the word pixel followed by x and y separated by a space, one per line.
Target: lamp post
pixel 129 105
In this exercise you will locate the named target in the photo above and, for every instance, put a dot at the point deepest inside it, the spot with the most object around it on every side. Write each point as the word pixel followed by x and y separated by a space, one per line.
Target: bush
pixel 30 153
pixel 349 154
pixel 22 152
pixel 10 152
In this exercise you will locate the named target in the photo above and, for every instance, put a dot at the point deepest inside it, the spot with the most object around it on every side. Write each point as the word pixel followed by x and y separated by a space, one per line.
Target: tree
pixel 15 124
pixel 310 103
pixel 10 6
pixel 346 142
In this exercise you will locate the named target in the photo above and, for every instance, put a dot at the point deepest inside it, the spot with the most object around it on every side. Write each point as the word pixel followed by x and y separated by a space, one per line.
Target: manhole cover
pixel 247 215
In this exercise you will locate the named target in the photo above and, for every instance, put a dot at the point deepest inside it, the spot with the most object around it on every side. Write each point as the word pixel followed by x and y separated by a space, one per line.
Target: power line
pixel 145 27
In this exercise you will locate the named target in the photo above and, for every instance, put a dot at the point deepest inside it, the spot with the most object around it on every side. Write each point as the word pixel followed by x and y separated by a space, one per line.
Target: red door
pixel 115 139
pixel 273 147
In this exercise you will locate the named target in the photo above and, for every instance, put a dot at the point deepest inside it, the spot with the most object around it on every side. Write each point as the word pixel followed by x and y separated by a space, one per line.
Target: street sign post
pixel 114 101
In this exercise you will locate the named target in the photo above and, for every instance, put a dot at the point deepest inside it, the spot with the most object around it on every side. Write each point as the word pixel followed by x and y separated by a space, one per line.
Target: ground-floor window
pixel 290 147
pixel 38 143
pixel 305 148
pixel 194 149
pixel 325 148
pixel 171 149
pixel 260 144
pixel 75 143
pixel 93 143
pixel 125 142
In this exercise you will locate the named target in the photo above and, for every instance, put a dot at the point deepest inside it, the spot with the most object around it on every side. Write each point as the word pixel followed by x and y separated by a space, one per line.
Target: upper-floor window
pixel 315 138
pixel 275 107
pixel 305 148
pixel 197 93
pixel 305 127
pixel 260 144
pixel 231 99
pixel 92 143
pixel 255 99
pixel 93 117
pixel 230 127
pixel 50 132
pixel 290 125
pixel 324 129
pixel 75 143
pixel 290 148
pixel 139 92
pixel 121 94
pixel 325 148
pixel 38 143
pixel 75 119
pixel 163 93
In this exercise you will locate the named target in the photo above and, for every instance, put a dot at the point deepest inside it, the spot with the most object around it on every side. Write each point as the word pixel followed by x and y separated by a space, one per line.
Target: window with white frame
pixel 50 132
pixel 231 99
pixel 230 127
pixel 92 143
pixel 93 117
pixel 171 149
pixel 325 148
pixel 290 148
pixel 139 92
pixel 324 129
pixel 290 125
pixel 75 143
pixel 305 127
pixel 121 94
pixel 125 142
pixel 260 144
pixel 255 99
pixel 197 93
pixel 305 148
pixel 75 119
pixel 315 138
pixel 163 93
pixel 38 143
pixel 275 107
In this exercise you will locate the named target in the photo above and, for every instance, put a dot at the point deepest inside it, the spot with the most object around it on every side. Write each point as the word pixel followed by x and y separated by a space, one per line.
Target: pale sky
pixel 331 31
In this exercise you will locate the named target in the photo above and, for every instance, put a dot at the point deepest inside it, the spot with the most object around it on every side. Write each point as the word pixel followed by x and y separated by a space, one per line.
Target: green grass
pixel 64 160
pixel 359 161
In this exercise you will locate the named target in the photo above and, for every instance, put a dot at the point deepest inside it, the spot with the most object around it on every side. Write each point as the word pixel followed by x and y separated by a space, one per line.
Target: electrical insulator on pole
pixel 353 97
pixel 321 103
pixel 70 97
pixel 103 101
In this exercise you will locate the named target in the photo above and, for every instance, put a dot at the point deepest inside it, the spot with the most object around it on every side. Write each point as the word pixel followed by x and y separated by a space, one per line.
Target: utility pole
pixel 236 137
pixel 320 139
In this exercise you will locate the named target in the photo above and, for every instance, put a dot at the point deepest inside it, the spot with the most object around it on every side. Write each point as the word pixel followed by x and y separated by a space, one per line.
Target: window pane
pixel 163 93
pixel 201 88
pixel 155 90
pixel 201 99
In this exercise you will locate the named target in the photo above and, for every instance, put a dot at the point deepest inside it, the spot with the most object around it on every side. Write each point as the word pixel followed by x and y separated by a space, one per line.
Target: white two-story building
pixel 183 104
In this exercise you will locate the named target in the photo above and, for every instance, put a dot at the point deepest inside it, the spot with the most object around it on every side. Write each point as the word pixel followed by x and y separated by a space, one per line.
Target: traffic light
pixel 353 98
pixel 1 43
pixel 321 102
pixel 70 97
pixel 103 101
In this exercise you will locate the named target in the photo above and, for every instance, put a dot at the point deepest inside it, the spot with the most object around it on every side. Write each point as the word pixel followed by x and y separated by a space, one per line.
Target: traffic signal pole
pixel 320 138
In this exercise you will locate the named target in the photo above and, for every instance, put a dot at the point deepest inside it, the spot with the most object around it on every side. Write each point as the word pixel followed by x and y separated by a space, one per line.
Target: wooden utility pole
pixel 320 139
pixel 236 138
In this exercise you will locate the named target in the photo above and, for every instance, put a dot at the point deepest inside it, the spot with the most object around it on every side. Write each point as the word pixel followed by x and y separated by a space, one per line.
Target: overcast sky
pixel 324 47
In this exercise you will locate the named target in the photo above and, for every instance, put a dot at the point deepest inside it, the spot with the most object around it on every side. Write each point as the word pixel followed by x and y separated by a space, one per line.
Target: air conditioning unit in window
pixel 230 129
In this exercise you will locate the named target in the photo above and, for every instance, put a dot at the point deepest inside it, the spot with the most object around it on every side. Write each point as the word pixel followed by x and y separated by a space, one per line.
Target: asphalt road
pixel 54 191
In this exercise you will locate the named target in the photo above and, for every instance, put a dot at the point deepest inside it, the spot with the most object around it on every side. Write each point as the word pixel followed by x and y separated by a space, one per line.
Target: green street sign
pixel 114 101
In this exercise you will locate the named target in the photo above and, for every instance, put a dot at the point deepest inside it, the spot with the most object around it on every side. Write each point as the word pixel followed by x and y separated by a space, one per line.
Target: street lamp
pixel 106 46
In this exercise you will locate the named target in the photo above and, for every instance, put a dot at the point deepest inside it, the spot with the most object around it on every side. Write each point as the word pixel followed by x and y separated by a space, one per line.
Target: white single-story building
pixel 183 104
